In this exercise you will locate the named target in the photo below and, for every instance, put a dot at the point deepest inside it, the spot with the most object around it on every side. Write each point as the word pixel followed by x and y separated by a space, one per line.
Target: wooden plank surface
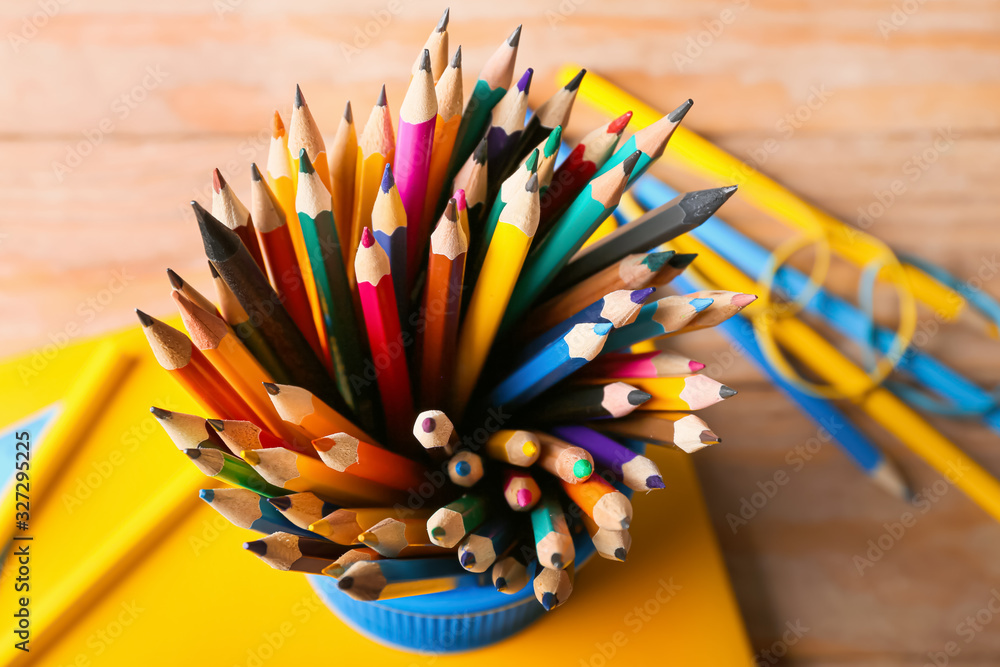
pixel 115 114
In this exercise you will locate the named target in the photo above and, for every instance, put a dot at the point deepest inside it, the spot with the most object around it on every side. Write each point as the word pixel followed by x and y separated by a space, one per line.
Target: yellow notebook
pixel 128 566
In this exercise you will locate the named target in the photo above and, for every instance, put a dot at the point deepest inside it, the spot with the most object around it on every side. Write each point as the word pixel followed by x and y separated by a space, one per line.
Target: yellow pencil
pixel 343 163
pixel 376 148
pixel 304 133
pixel 514 231
pixel 449 117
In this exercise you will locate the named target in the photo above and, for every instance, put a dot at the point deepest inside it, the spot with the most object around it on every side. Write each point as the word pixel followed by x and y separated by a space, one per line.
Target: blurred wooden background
pixel 114 114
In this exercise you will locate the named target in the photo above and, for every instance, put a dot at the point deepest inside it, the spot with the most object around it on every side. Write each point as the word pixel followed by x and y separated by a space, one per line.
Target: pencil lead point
pixel 617 126
pixel 367 239
pixel 574 83
pixel 428 425
pixel 628 164
pixel 625 523
pixel 208 495
pixel 437 532
pixel 621 554
pixel 456 60
pixel 532 184
pixel 515 38
pixel 160 413
pixel 345 583
pixel 218 182
pixel 280 503
pixel 467 559
pixel 388 182
pixel 524 83
pixel 479 155
pixel 500 584
pixel 726 392
pixel 682 260
pixel 640 295
pixel 271 388
pixel 305 166
pixel 368 539
pixel 212 270
pixel 255 173
pixel 638 397
pixel 695 366
pixel 193 453
pixel 299 100
pixel 348 113
pixel 549 601
pixel 707 437
pixel 217 424
pixel 532 162
pixel 443 21
pixel 381 102
pixel 220 242
pixel 425 61
pixel 277 126
pixel 451 210
pixel 175 280
pixel 257 547
pixel 557 561
pixel 654 482
pixel 678 114
pixel 583 469
pixel 743 300
pixel 321 528
pixel 144 319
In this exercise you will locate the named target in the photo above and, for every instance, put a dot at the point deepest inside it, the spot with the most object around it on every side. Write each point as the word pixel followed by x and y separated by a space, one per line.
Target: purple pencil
pixel 507 123
pixel 413 158
pixel 635 470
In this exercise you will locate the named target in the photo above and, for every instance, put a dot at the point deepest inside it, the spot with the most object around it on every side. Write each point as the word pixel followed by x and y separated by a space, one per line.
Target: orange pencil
pixel 346 453
pixel 608 507
pixel 303 408
pixel 240 436
pixel 343 164
pixel 449 116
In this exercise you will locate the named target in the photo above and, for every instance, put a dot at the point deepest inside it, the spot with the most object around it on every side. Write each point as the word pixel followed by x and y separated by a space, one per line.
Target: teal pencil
pixel 553 543
pixel 650 141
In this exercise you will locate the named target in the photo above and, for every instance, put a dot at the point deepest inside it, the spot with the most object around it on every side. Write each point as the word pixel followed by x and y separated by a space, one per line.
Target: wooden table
pixel 112 122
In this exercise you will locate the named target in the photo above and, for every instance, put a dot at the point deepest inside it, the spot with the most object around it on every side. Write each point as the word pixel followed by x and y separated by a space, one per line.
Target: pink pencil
pixel 378 302
pixel 644 365
pixel 413 160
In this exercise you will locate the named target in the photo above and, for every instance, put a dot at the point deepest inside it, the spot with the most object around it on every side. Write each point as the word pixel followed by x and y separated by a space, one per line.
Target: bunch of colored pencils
pixel 407 285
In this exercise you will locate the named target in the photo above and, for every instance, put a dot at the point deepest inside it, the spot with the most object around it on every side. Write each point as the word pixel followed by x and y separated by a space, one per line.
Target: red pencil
pixel 228 209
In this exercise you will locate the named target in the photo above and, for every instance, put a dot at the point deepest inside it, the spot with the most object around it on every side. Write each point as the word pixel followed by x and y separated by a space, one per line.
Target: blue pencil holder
pixel 453 621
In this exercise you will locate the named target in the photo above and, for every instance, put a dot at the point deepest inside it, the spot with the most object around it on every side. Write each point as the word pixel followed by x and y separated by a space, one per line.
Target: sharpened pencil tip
pixel 532 184
pixel 305 166
pixel 368 539
pixel 367 239
pixel 678 114
pixel 193 453
pixel 212 270
pixel 299 100
pixel 549 601
pixel 257 546
pixel 640 295
pixel 381 102
pixel 617 126
pixel 451 210
pixel 683 260
pixel 515 37
pixel 625 523
pixel 217 424
pixel 437 532
pixel 726 392
pixel 277 126
pixel 743 300
pixel 557 561
pixel 428 425
pixel 524 83
pixel 709 438
pixel 345 583
pixel 321 528
pixel 443 21
pixel 218 182
pixel 255 173
pixel 388 182
pixel 621 554
pixel 462 469
pixel 479 155
pixel 208 495
pixel 175 280
pixel 348 113
pixel 272 388
pixel 280 503
pixel 695 366
pixel 467 559
pixel 456 60
pixel 220 242
pixel 425 61
pixel 654 482
pixel 582 469
pixel 574 83
pixel 144 319
pixel 501 584
pixel 638 397
pixel 160 413
pixel 532 162
pixel 701 303
pixel 628 164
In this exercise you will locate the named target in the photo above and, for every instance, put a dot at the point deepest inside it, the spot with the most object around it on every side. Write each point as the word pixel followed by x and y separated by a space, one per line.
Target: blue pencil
pixel 556 361
pixel 612 309
pixel 246 509
pixel 389 229
pixel 655 319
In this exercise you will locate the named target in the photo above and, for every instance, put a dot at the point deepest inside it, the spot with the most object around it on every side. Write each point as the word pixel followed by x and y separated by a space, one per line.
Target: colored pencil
pixel 650 140
pixel 389 579
pixel 376 149
pixel 599 402
pixel 506 126
pixel 240 436
pixel 304 135
pixel 344 525
pixel 511 573
pixel 400 537
pixel 229 210
pixel 246 509
pixel 350 557
pixel 414 145
pixel 180 285
pixel 520 490
pixel 553 542
pixel 341 339
pixel 635 470
pixel 389 226
pixel 345 453
pixel 441 307
pixel 192 370
pixel 636 271
pixel 690 392
pixel 682 430
pixel 609 544
pixel 518 448
pixel 553 113
pixel 297 472
pixel 302 509
pixel 280 259
pixel 490 88
pixel 608 507
pixel 657 318
pixel 187 431
pixel 465 468
pixel 233 471
pixel 343 160
pixel 301 407
pixel 492 292
pixel 645 365
pixel 553 363
pixel 295 553
pixel 724 305
pixel 378 302
pixel 437 47
pixel 448 525
pixel 472 180
pixel 567 462
pixel 579 167
pixel 479 550
pixel 448 92
pixel 462 206
pixel 585 214
pixel 436 434
pixel 235 266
